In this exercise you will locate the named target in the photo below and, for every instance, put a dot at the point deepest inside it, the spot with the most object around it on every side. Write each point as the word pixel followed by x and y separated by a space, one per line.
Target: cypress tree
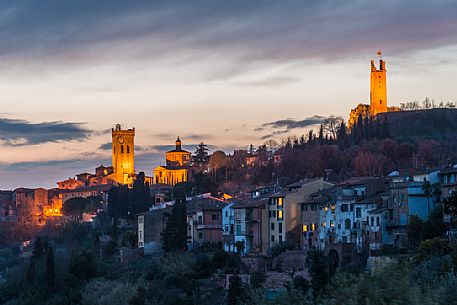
pixel 174 237
pixel 50 267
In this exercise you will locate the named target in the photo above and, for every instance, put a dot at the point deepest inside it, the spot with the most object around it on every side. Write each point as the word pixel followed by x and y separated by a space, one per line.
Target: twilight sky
pixel 229 73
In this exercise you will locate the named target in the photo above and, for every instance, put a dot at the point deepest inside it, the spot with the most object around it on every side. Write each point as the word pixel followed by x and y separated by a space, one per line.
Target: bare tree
pixel 331 125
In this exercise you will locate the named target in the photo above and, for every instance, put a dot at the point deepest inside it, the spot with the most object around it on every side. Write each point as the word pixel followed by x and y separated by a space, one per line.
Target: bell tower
pixel 378 87
pixel 123 154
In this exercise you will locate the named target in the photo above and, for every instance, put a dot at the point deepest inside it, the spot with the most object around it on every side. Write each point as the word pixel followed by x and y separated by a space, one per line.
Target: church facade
pixel 176 169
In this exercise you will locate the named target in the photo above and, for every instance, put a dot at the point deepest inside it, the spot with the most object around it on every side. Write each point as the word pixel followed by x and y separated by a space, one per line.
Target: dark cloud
pixel 265 137
pixel 106 146
pixel 14 132
pixel 241 32
pixel 292 124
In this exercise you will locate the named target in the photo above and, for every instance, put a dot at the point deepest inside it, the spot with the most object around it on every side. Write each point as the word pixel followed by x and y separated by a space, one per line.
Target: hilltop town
pixel 285 217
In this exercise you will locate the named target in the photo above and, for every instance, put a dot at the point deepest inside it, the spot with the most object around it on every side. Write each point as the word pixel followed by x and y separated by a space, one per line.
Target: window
pixel 333 208
pixel 313 227
pixel 200 220
pixel 347 224
pixel 272 238
pixel 128 149
pixel 279 215
pixel 344 208
pixel 200 235
pixel 332 224
pixel 274 213
pixel 272 226
pixel 226 213
pixel 358 212
pixel 304 207
pixel 305 228
pixel 377 221
pixel 122 149
pixel 280 202
pixel 269 214
pixel 280 238
pixel 280 227
pixel 215 217
pixel 238 229
pixel 352 207
pixel 372 220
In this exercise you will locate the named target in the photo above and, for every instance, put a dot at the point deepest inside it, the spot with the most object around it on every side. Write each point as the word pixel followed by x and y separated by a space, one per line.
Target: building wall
pixel 123 159
pixel 177 158
pixel 163 175
pixel 378 88
pixel 292 210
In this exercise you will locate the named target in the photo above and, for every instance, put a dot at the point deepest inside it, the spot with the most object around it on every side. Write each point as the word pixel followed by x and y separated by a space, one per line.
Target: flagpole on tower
pixel 379 54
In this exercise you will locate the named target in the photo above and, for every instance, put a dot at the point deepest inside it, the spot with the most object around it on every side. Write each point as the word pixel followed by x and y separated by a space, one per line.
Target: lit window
pixel 326 209
pixel 332 224
pixel 313 227
pixel 305 228
pixel 279 214
pixel 280 201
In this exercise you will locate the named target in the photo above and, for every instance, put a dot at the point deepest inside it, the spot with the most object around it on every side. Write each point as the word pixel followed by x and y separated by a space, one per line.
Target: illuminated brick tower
pixel 378 87
pixel 123 154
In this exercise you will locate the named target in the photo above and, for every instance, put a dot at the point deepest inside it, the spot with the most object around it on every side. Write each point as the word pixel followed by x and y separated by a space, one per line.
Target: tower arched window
pixel 128 149
pixel 122 149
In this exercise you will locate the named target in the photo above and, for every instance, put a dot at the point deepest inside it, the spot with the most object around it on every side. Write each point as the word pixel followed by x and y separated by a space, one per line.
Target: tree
pixel 174 237
pixel 257 278
pixel 140 199
pixel 240 246
pixel 331 125
pixel 77 206
pixel 50 267
pixel 318 270
pixel 415 231
pixel 201 157
pixel 83 265
pixel 38 248
pixel 236 293
pixel 428 191
pixel 450 207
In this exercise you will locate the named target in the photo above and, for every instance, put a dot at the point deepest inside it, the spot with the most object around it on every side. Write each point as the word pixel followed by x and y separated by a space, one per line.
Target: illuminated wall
pixel 378 88
pixel 123 155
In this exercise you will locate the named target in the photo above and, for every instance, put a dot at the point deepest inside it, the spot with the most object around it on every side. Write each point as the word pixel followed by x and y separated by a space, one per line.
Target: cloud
pixel 293 124
pixel 244 34
pixel 271 81
pixel 106 146
pixel 14 132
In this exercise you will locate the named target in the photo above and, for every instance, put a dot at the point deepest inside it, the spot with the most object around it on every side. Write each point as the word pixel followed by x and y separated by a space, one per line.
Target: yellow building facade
pixel 123 156
pixel 176 169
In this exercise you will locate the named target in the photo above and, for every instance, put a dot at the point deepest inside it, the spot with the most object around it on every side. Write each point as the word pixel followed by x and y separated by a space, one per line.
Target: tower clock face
pixel 120 140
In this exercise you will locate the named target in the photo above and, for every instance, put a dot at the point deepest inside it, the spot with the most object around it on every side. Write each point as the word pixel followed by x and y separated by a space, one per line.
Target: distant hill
pixel 437 123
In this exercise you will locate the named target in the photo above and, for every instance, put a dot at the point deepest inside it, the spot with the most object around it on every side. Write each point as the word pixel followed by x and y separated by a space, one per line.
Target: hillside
pixel 438 123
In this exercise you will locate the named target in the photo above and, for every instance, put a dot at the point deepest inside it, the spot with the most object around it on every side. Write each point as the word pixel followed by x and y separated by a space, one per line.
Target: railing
pixel 210 226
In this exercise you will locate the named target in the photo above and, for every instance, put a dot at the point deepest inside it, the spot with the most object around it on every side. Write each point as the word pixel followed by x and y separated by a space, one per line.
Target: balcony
pixel 210 226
